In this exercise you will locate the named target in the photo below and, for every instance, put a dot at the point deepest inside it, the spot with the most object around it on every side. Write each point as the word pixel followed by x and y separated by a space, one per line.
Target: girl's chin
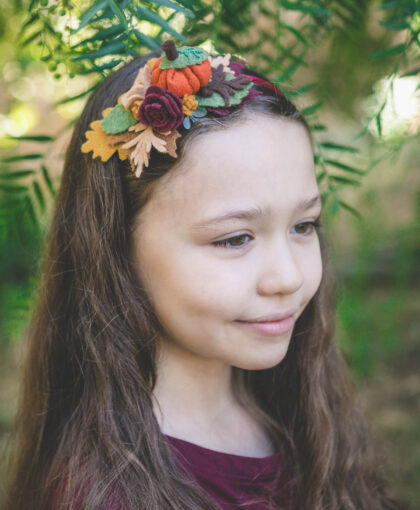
pixel 261 363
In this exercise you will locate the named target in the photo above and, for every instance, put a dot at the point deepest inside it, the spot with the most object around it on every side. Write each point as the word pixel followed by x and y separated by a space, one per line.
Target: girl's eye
pixel 305 228
pixel 301 228
pixel 227 243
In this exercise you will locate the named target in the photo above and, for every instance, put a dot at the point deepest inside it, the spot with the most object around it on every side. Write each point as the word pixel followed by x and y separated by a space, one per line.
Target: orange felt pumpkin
pixel 185 80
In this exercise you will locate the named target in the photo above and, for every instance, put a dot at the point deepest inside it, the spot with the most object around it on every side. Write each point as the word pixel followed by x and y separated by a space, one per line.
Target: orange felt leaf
pixel 97 141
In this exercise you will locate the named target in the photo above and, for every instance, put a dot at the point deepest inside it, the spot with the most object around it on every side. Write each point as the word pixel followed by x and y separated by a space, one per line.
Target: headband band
pixel 174 90
pixel 265 83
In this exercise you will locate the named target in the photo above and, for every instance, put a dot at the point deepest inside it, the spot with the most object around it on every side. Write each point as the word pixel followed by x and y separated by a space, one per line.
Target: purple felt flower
pixel 236 67
pixel 224 111
pixel 161 109
pixel 251 94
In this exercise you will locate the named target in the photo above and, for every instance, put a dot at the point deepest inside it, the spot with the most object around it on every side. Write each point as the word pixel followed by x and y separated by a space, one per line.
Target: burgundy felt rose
pixel 161 109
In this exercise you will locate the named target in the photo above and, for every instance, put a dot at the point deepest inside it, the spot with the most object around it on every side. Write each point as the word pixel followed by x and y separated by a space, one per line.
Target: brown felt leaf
pixel 170 139
pixel 120 138
pixel 225 87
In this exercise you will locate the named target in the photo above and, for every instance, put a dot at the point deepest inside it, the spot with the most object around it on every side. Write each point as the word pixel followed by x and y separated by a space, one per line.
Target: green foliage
pixel 93 39
pixel 377 288
pixel 100 36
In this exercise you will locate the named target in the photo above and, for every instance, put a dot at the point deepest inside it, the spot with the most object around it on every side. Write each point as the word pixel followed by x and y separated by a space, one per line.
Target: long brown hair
pixel 86 429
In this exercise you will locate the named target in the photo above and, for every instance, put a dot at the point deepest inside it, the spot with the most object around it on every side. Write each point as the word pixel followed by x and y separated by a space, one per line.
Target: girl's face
pixel 204 276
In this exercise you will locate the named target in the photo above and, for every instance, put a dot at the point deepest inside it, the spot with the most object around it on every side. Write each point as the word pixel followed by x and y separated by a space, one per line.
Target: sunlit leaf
pixel 77 96
pixel 30 209
pixel 89 14
pixel 33 138
pixel 119 13
pixel 344 180
pixel 103 67
pixel 31 38
pixel 309 110
pixel 338 147
pixel 318 127
pixel 48 180
pixel 176 7
pixel 350 209
pixel 13 188
pixel 107 49
pixel 379 124
pixel 399 48
pixel 389 5
pixel 149 42
pixel 152 17
pixel 307 9
pixel 17 174
pixel 343 166
pixel 296 33
pixel 39 195
pixel 101 35
pixel 21 157
pixel 394 26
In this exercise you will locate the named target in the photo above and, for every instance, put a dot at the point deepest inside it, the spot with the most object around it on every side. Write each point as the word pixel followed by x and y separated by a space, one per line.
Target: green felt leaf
pixel 118 120
pixel 216 100
pixel 187 56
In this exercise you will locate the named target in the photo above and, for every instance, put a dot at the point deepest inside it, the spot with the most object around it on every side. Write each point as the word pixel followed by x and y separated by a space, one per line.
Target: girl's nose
pixel 281 272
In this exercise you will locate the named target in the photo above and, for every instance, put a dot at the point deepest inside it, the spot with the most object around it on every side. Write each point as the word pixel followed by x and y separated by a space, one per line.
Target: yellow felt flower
pixel 189 104
pixel 150 63
pixel 96 141
pixel 135 107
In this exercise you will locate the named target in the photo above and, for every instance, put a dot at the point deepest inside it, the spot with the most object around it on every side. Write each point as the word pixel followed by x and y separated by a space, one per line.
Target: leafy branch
pixel 89 40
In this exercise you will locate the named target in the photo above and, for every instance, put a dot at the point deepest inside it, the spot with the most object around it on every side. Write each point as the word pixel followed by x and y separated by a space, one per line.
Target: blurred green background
pixel 352 67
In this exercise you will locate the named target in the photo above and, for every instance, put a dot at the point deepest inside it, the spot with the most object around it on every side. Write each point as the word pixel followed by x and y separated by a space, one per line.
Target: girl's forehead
pixel 263 160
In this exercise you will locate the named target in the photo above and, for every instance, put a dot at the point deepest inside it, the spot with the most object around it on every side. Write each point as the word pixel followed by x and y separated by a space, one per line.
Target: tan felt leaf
pixel 170 139
pixel 143 144
pixel 137 127
pixel 224 60
pixel 138 89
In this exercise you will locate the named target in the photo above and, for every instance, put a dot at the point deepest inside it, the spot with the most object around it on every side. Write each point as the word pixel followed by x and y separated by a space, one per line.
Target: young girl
pixel 181 354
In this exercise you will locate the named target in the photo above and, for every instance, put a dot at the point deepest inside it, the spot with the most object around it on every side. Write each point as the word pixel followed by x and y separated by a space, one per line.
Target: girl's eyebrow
pixel 253 212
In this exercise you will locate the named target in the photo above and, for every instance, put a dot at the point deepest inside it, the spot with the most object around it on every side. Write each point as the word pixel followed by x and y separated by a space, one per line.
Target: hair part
pixel 86 435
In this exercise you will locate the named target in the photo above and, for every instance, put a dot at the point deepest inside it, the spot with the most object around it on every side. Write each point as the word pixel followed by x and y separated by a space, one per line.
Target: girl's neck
pixel 193 400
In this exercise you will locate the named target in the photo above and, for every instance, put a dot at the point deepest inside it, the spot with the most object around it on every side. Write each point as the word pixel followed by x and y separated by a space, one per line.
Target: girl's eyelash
pixel 226 243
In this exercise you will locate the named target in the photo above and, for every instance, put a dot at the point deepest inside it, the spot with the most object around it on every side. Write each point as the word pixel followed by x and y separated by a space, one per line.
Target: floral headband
pixel 171 91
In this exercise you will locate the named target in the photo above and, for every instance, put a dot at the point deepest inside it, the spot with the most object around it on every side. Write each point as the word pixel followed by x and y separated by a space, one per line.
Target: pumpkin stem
pixel 170 49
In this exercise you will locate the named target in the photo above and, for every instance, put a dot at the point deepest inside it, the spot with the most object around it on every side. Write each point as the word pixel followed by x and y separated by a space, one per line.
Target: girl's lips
pixel 271 328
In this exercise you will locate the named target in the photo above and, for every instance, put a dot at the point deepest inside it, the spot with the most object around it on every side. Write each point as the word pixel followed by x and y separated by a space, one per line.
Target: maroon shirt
pixel 232 480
